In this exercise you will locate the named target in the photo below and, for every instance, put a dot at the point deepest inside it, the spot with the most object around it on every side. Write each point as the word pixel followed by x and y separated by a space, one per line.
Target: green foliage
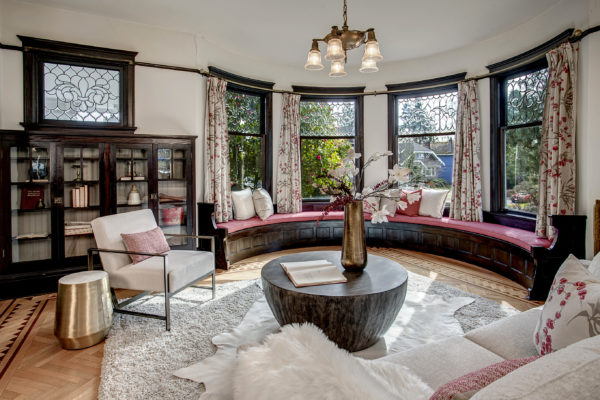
pixel 245 152
pixel 414 118
pixel 321 155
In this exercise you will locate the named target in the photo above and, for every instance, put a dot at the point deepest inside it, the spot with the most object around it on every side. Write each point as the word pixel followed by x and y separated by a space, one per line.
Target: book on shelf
pixel 313 273
pixel 79 197
pixel 31 197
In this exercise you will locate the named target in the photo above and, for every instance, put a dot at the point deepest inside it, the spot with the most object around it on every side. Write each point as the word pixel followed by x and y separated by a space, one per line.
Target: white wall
pixel 169 102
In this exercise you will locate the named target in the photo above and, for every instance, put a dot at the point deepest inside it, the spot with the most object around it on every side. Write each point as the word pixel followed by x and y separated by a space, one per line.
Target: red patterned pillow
pixel 410 202
pixel 152 241
pixel 479 379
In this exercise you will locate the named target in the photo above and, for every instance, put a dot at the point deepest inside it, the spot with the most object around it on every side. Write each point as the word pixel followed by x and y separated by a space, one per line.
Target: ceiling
pixel 280 31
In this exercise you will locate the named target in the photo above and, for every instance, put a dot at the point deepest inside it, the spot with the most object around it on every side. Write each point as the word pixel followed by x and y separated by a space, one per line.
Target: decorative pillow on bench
pixel 433 202
pixel 263 204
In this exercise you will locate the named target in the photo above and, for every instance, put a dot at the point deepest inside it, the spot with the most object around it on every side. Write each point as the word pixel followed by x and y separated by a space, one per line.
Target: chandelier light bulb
pixel 313 63
pixel 337 69
pixel 368 66
pixel 335 51
pixel 372 52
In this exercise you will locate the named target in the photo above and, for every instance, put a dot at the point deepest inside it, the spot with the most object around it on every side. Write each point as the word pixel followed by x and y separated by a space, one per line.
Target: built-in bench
pixel 510 251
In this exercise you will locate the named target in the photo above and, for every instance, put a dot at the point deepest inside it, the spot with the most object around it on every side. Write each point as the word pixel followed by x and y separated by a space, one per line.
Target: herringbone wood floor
pixel 34 366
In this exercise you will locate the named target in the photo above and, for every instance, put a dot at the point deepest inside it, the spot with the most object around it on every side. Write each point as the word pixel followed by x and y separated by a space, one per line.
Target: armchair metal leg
pixel 167 308
pixel 214 287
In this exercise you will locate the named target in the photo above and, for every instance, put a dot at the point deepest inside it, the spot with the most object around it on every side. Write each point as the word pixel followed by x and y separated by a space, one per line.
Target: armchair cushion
pixel 183 265
pixel 152 241
pixel 107 232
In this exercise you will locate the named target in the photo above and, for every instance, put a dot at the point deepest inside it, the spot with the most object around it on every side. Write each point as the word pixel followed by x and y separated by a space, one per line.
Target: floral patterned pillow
pixel 410 202
pixel 571 310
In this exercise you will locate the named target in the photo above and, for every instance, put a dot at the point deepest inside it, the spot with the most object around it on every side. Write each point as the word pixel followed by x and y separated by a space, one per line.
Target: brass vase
pixel 354 247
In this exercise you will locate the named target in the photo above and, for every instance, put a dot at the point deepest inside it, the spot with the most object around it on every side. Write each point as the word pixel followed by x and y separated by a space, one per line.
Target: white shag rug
pixel 140 356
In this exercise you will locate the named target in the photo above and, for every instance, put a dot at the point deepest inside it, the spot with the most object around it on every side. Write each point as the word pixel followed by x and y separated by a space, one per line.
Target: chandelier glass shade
pixel 338 43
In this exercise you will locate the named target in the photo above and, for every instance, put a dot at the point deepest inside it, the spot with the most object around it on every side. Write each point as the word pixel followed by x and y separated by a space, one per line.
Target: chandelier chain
pixel 345 14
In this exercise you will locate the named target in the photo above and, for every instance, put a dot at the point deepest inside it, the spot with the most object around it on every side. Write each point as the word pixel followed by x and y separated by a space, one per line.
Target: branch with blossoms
pixel 337 184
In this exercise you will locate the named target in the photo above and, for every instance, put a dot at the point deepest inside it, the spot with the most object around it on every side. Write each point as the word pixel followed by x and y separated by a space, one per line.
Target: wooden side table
pixel 84 310
pixel 353 314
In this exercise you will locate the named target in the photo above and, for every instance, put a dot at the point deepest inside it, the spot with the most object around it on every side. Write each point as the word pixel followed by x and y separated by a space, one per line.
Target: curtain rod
pixel 577 36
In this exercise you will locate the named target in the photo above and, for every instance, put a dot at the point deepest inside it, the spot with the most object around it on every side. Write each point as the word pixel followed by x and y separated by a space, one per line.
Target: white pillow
pixel 432 202
pixel 263 204
pixel 243 206
pixel 594 266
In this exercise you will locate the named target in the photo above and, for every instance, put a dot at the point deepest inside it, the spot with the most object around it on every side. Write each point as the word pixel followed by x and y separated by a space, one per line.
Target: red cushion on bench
pixel 522 238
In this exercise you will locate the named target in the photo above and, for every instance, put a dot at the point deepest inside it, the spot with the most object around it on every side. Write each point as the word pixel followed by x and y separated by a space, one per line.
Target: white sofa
pixel 572 372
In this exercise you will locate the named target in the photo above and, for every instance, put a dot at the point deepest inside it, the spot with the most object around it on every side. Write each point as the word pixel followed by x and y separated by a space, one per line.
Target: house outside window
pixel 249 124
pixel 329 127
pixel 517 95
pixel 423 126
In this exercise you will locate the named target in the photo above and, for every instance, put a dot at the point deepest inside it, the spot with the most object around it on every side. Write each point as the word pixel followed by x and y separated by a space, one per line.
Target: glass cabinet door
pixel 31 216
pixel 173 192
pixel 132 184
pixel 81 185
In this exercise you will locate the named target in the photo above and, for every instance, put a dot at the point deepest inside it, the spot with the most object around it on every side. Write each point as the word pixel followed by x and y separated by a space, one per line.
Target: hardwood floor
pixel 34 366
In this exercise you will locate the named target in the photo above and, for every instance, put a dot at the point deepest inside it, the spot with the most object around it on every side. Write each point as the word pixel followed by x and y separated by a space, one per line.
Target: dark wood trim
pixel 232 78
pixel 268 140
pixel 391 127
pixel 328 92
pixel 443 83
pixel 593 29
pixel 10 47
pixel 78 50
pixel 533 54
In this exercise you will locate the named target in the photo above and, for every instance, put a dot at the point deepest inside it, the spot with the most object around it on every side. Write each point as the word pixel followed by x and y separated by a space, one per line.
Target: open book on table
pixel 312 273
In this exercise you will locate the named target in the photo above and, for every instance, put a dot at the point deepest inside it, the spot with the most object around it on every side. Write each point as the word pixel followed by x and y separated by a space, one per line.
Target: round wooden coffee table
pixel 352 314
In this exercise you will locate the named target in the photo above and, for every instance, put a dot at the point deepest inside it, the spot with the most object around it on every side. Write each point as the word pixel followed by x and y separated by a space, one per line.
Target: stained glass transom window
pixel 434 113
pixel 327 118
pixel 82 94
pixel 525 96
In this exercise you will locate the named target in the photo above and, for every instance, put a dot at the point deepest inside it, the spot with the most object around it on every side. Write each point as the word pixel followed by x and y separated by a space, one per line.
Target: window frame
pixel 37 52
pixel 324 94
pixel 262 89
pixel 442 85
pixel 502 71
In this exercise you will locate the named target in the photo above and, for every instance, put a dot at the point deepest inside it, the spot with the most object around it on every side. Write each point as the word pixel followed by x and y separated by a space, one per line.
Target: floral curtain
pixel 289 196
pixel 557 150
pixel 217 187
pixel 466 179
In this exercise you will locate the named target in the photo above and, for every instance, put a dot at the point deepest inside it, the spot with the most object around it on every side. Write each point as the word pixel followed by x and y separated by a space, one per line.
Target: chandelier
pixel 338 42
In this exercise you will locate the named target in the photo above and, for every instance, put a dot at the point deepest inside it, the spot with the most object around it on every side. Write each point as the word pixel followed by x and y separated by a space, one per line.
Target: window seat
pixel 510 251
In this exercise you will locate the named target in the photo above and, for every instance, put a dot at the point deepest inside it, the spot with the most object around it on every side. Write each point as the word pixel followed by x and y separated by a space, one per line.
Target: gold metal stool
pixel 83 309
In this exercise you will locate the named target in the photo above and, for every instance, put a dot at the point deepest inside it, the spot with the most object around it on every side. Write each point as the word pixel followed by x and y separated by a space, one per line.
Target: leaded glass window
pixel 328 129
pixel 424 136
pixel 81 94
pixel 523 102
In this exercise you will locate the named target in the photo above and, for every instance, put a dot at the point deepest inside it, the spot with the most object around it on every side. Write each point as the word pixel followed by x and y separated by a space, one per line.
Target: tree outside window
pixel 245 122
pixel 327 131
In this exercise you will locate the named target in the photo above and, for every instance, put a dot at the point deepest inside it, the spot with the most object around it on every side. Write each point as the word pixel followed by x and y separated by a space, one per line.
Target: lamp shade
pixel 368 66
pixel 313 63
pixel 337 69
pixel 372 51
pixel 335 51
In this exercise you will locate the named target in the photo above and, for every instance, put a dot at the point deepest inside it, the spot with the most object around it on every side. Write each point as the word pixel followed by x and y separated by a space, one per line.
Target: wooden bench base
pixel 533 269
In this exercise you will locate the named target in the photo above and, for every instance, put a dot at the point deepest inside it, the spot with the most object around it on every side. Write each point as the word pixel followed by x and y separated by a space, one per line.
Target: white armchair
pixel 170 272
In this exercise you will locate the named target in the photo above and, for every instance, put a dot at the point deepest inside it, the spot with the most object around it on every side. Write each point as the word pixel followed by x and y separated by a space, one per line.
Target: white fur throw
pixel 300 362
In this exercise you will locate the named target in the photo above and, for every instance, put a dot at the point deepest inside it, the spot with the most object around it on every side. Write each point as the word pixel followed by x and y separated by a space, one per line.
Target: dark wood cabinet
pixel 54 184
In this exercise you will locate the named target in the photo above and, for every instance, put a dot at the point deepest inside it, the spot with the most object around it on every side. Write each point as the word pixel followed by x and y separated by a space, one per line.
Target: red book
pixel 31 196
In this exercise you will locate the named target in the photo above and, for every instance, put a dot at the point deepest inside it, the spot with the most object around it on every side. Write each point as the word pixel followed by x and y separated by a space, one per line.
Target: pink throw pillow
pixel 152 241
pixel 479 379
pixel 570 312
pixel 410 202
